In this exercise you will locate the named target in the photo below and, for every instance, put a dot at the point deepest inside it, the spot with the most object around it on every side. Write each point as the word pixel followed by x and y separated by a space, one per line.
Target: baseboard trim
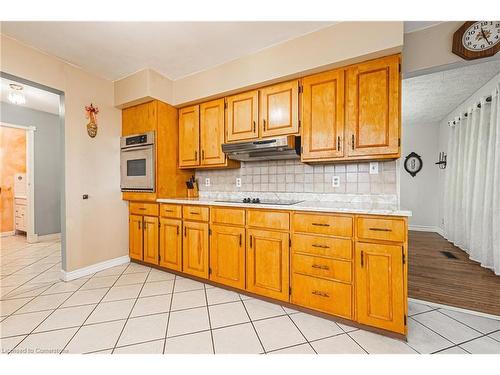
pixel 7 234
pixel 426 228
pixel 459 309
pixel 85 271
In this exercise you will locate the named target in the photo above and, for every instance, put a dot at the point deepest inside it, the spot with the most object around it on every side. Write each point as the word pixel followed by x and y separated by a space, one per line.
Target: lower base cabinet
pixel 135 236
pixel 195 249
pixel 227 255
pixel 268 263
pixel 380 286
pixel 170 246
pixel 150 239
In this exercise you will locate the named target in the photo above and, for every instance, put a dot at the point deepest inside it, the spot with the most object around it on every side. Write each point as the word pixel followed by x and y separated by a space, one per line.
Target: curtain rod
pixel 488 100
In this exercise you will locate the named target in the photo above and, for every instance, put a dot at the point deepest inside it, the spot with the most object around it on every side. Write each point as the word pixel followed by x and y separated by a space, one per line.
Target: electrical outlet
pixel 238 182
pixel 207 181
pixel 335 181
pixel 374 167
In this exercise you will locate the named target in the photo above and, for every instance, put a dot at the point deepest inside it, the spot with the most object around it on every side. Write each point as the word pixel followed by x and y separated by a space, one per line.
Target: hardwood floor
pixel 457 282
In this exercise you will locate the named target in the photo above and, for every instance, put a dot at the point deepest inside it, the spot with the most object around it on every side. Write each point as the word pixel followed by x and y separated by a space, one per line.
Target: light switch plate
pixel 335 181
pixel 238 182
pixel 207 181
pixel 374 167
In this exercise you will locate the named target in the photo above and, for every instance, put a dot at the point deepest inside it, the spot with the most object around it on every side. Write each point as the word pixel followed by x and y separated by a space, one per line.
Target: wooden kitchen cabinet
pixel 242 116
pixel 279 109
pixel 170 246
pixel 380 286
pixel 212 132
pixel 227 255
pixel 373 108
pixel 189 136
pixel 195 249
pixel 268 263
pixel 150 239
pixel 135 236
pixel 323 116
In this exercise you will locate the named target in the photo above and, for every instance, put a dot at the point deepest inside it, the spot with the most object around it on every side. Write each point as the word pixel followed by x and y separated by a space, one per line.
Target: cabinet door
pixel 380 286
pixel 279 109
pixel 189 136
pixel 323 116
pixel 227 255
pixel 195 249
pixel 268 263
pixel 373 108
pixel 135 236
pixel 212 132
pixel 171 243
pixel 151 239
pixel 139 118
pixel 243 116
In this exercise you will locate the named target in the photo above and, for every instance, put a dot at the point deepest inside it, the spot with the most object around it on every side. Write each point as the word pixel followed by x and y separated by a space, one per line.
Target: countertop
pixel 315 206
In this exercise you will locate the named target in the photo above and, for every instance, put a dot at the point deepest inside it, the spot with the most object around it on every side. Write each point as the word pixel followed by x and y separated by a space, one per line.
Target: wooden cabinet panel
pixel 140 208
pixel 373 103
pixel 268 263
pixel 268 219
pixel 384 229
pixel 227 215
pixel 139 119
pixel 227 255
pixel 338 270
pixel 135 236
pixel 323 116
pixel 322 246
pixel 333 225
pixel 243 116
pixel 150 239
pixel 195 249
pixel 380 286
pixel 212 132
pixel 189 136
pixel 279 109
pixel 171 210
pixel 170 243
pixel 323 295
pixel 198 213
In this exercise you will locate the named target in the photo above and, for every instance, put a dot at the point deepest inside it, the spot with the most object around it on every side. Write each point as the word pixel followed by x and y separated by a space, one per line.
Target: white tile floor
pixel 136 309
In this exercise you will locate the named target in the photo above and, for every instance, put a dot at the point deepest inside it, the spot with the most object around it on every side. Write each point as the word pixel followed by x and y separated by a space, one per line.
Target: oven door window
pixel 136 167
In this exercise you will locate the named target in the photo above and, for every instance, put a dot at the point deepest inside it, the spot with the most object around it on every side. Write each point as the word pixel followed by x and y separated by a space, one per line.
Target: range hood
pixel 279 148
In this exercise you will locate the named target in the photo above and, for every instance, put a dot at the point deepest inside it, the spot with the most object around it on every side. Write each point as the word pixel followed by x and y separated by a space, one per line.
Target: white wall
pixel 420 193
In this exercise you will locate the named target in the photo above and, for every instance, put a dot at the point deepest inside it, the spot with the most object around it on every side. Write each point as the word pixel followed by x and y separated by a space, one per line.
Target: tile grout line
pixel 209 320
pixel 465 324
pixel 304 336
pixel 430 329
pixel 251 322
pixel 357 343
pixel 168 318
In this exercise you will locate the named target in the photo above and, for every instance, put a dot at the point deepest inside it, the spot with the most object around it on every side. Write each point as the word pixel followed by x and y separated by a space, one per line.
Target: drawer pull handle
pixel 194 213
pixel 168 210
pixel 321 246
pixel 321 224
pixel 320 267
pixel 250 241
pixel 381 229
pixel 142 209
pixel 240 239
pixel 321 294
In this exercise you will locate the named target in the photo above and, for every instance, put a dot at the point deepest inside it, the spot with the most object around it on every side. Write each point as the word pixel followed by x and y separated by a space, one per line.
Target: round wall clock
pixel 413 164
pixel 477 39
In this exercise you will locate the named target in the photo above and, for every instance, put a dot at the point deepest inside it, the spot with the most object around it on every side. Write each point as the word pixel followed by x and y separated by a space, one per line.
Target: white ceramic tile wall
pixel 292 176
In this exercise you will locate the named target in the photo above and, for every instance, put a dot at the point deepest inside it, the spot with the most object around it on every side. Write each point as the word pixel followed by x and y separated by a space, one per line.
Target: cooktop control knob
pixel 256 200
pixel 246 200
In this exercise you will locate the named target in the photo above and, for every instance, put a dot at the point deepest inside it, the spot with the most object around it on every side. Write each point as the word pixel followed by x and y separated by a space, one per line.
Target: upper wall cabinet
pixel 373 108
pixel 243 116
pixel 189 136
pixel 139 119
pixel 279 109
pixel 323 116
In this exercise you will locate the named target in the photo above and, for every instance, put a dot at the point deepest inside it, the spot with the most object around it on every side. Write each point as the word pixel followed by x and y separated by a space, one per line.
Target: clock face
pixel 481 35
pixel 413 164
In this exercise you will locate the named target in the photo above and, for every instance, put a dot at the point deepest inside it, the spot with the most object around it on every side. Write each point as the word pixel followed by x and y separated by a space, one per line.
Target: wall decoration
pixel 413 164
pixel 92 116
pixel 442 160
pixel 477 39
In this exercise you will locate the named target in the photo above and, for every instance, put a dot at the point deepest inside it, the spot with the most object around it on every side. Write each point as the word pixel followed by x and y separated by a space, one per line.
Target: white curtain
pixel 472 183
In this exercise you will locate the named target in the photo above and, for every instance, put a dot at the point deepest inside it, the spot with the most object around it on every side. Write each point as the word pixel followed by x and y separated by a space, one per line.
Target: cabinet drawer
pixel 268 219
pixel 385 229
pixel 227 215
pixel 20 201
pixel 323 246
pixel 171 210
pixel 198 213
pixel 323 295
pixel 139 208
pixel 339 270
pixel 323 224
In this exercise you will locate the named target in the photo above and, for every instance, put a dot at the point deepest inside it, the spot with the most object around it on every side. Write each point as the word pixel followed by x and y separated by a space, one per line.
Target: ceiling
pixel 427 99
pixel 40 100
pixel 411 26
pixel 114 50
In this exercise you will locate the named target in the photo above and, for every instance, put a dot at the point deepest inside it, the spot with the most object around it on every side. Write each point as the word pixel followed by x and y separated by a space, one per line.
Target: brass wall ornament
pixel 92 116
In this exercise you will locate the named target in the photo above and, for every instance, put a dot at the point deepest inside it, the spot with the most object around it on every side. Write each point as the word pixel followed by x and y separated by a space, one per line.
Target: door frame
pixel 30 173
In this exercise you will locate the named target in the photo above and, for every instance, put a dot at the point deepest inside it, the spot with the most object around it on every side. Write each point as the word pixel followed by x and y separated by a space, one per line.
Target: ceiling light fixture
pixel 16 96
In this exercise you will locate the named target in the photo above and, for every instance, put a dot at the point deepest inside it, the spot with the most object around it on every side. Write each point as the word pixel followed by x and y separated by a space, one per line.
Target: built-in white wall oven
pixel 137 162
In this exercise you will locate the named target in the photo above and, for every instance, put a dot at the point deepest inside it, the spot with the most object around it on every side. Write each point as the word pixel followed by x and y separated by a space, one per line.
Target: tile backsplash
pixel 292 176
